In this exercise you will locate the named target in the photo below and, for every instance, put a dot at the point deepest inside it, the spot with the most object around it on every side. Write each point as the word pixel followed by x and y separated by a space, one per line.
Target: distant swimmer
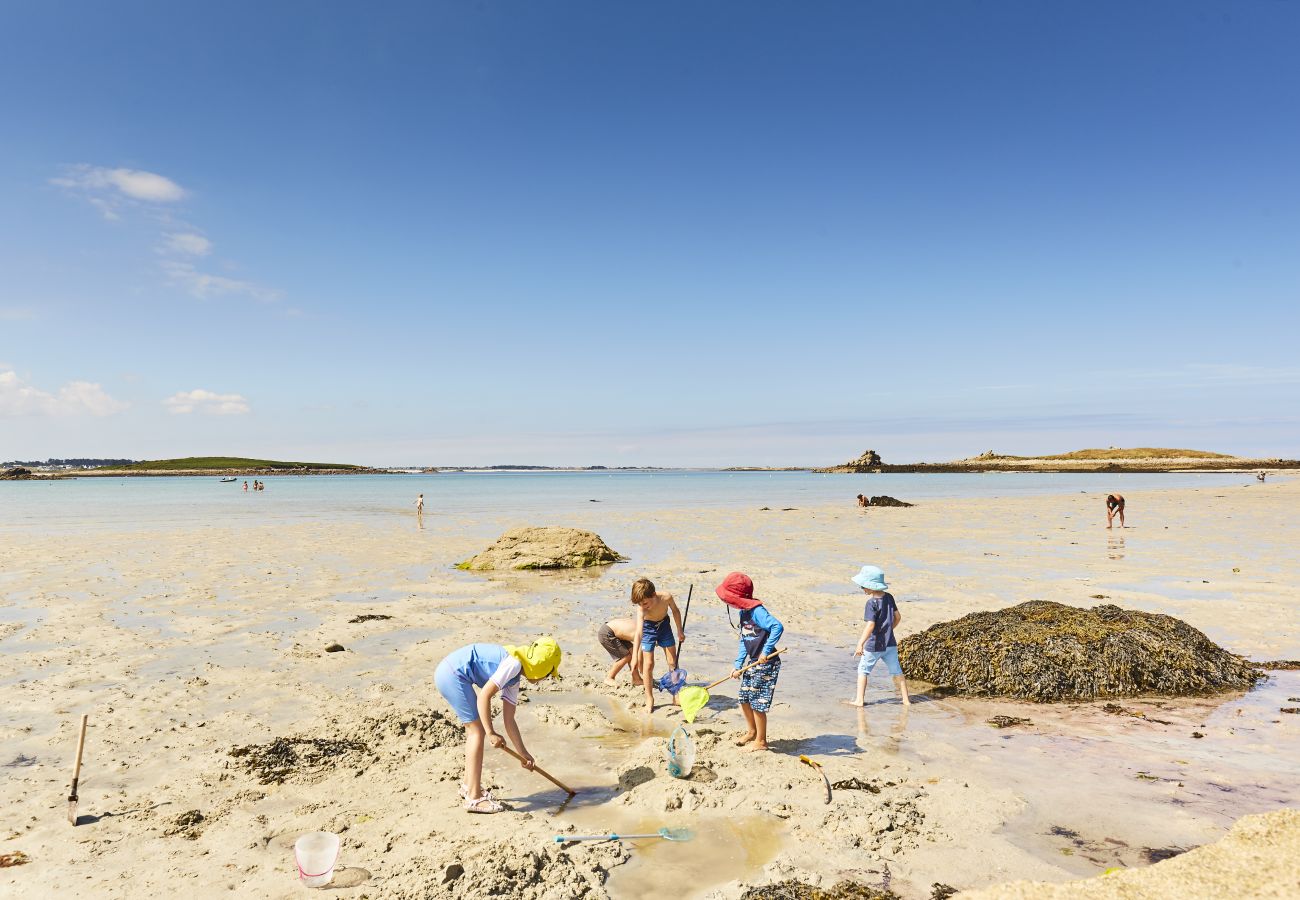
pixel 863 502
pixel 419 505
pixel 245 485
pixel 1261 475
pixel 1114 507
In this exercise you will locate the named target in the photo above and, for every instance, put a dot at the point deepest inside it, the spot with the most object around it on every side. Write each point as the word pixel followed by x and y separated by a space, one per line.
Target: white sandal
pixel 484 804
pixel 464 791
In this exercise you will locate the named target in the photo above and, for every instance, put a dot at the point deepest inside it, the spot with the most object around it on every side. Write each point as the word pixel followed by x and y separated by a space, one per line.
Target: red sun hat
pixel 737 590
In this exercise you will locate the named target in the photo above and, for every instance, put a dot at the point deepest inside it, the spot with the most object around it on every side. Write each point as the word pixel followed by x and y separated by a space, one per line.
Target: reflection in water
pixel 894 722
pixel 1115 546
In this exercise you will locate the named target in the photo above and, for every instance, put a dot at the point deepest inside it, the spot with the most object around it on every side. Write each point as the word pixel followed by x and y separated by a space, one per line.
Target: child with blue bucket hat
pixel 877 641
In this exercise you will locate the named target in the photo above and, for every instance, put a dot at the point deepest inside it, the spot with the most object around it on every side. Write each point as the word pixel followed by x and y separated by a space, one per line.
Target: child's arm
pixel 485 713
pixel 774 631
pixel 677 619
pixel 637 628
pixel 512 729
pixel 862 641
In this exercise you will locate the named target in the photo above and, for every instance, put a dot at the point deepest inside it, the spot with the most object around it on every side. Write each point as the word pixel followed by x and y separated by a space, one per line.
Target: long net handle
pixel 771 656
pixel 540 771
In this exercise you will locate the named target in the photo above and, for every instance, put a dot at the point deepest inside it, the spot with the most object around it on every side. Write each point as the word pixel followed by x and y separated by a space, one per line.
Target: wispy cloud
pixel 205 285
pixel 207 403
pixel 185 243
pixel 117 192
pixel 109 189
pixel 18 398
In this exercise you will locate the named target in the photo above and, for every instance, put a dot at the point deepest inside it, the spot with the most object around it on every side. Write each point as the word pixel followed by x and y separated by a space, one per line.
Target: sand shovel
pixel 540 771
pixel 76 772
pixel 693 699
pixel 668 834
pixel 818 766
pixel 674 680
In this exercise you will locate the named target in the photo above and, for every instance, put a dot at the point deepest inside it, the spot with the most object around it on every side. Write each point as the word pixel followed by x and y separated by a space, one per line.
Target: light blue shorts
pixel 458 691
pixel 871 657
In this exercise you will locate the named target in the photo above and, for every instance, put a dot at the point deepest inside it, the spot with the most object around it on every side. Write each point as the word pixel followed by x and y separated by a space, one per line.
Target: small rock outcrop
pixel 886 500
pixel 543 548
pixel 1048 652
pixel 867 462
pixel 16 473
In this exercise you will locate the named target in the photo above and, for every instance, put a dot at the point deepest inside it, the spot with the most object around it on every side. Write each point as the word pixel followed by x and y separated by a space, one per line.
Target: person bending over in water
pixel 616 636
pixel 863 502
pixel 494 669
pixel 653 630
pixel 1114 507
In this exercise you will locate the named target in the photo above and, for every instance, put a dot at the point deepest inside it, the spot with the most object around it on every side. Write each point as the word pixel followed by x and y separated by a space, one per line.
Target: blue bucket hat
pixel 872 578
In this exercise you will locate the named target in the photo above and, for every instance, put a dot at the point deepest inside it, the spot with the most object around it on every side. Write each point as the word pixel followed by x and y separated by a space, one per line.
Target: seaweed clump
pixel 1048 652
pixel 287 757
pixel 798 890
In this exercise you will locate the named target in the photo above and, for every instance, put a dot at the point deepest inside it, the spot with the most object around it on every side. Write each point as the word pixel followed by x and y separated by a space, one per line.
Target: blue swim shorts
pixel 758 685
pixel 871 657
pixel 458 691
pixel 657 634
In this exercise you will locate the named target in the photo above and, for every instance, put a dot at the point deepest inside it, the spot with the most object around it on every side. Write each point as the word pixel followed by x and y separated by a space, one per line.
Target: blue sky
pixel 659 233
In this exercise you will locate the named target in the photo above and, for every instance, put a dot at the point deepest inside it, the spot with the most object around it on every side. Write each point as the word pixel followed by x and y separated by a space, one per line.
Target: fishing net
pixel 692 699
pixel 672 682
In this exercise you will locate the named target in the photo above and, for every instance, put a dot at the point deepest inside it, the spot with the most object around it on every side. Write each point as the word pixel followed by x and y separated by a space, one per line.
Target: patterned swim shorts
pixel 758 685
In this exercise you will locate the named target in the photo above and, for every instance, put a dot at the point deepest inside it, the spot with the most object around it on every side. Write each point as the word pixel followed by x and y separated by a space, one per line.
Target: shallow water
pixel 126 503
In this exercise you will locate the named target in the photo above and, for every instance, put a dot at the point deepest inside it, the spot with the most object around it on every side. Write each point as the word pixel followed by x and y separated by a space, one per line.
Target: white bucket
pixel 316 853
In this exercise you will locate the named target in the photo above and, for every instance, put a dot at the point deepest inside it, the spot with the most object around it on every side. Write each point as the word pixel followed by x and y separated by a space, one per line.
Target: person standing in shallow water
pixel 1114 507
pixel 759 633
pixel 878 642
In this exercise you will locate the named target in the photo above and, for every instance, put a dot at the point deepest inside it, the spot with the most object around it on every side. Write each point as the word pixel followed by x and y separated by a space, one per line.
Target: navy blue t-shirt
pixel 881 611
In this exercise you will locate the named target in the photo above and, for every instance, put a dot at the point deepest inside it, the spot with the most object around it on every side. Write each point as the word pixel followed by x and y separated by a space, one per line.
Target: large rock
pixel 543 548
pixel 1046 652
pixel 867 462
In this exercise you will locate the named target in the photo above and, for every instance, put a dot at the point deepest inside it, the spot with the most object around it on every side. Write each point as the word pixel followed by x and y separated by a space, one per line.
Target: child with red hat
pixel 759 633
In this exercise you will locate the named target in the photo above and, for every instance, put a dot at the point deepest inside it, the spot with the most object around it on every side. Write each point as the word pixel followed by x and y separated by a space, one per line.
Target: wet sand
pixel 182 643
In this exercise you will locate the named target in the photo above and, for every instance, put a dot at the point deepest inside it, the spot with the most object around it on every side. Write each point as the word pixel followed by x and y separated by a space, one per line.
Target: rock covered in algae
pixel 1045 652
pixel 552 547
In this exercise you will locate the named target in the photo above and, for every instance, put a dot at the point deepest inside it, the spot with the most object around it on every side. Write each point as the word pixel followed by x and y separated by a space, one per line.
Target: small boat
pixel 228 479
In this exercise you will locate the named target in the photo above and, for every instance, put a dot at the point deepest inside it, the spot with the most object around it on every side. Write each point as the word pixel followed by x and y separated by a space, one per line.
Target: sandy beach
pixel 185 642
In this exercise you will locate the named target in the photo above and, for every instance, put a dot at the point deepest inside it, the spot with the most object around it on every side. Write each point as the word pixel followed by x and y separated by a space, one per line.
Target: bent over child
pixel 494 669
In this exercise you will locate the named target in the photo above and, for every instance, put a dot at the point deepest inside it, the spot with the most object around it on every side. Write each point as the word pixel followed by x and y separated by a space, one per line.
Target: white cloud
pixel 133 183
pixel 18 398
pixel 206 402
pixel 186 243
pixel 205 285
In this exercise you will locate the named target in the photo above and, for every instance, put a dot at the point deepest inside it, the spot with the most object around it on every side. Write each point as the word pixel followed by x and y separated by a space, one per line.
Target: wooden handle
pixel 81 747
pixel 770 657
pixel 540 771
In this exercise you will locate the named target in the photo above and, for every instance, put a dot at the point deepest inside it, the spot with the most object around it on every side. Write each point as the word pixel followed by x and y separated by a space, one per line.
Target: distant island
pixel 226 465
pixel 1112 459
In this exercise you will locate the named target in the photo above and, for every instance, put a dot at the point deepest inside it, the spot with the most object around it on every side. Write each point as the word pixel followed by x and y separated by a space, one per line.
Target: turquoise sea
pixel 89 503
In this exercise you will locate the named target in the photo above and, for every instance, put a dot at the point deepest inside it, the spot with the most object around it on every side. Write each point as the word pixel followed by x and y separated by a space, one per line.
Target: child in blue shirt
pixel 878 641
pixel 759 633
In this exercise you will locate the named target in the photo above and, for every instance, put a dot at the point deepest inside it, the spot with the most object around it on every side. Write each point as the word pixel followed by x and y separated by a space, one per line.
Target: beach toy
pixel 316 853
pixel 680 752
pixel 76 772
pixel 692 699
pixel 668 834
pixel 674 680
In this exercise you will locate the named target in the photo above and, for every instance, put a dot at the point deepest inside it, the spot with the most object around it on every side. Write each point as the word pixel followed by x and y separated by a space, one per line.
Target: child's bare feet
pixel 611 682
pixel 857 703
pixel 650 707
pixel 745 739
pixel 757 746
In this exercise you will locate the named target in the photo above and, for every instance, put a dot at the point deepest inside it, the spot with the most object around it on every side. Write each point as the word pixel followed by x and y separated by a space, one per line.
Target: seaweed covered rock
pixel 1045 652
pixel 886 500
pixel 543 548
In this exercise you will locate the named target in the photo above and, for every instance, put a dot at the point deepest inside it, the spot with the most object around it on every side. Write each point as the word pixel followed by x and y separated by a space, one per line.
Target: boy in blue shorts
pixel 653 629
pixel 877 641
